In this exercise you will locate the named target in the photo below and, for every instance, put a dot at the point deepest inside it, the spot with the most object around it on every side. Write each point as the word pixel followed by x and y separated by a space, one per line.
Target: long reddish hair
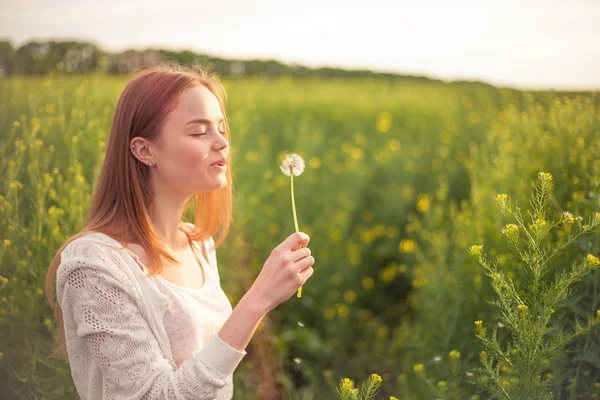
pixel 121 200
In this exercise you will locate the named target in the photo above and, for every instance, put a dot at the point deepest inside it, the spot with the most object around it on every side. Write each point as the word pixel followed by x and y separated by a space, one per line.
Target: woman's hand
pixel 286 269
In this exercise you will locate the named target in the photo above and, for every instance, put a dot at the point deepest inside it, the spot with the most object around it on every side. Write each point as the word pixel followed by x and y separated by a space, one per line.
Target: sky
pixel 526 44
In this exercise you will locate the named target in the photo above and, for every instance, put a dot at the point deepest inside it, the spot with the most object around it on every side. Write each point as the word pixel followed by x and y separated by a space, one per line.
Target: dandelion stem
pixel 294 205
pixel 295 222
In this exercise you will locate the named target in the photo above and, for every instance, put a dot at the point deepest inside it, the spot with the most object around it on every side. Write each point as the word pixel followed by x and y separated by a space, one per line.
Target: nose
pixel 221 142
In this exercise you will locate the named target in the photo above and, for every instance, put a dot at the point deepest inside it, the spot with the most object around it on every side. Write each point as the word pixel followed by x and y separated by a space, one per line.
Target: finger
pixel 307 273
pixel 295 239
pixel 305 262
pixel 299 254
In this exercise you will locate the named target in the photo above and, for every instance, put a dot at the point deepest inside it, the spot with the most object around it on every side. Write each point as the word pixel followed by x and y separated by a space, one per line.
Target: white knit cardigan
pixel 116 341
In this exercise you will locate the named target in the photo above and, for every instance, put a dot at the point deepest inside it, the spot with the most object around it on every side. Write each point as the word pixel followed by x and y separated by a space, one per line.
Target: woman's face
pixel 192 139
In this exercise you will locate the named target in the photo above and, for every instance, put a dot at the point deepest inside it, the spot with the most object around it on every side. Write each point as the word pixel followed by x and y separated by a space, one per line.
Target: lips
pixel 222 161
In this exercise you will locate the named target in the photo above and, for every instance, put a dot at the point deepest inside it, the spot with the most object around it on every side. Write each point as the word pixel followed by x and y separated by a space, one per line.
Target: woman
pixel 139 307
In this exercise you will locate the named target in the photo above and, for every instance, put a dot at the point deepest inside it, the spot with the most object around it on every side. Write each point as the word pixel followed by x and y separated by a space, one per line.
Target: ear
pixel 141 150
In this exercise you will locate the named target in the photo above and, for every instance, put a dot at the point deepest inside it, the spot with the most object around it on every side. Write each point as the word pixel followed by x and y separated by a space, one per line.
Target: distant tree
pixel 37 58
pixel 7 57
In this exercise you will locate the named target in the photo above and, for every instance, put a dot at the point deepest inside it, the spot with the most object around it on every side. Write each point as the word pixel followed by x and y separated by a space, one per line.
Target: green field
pixel 401 180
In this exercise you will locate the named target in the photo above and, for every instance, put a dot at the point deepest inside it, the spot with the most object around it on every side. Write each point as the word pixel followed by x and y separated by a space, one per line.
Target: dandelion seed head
pixel 292 164
pixel 437 358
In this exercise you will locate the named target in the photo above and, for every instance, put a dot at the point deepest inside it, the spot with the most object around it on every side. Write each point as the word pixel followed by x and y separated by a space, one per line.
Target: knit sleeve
pixel 106 317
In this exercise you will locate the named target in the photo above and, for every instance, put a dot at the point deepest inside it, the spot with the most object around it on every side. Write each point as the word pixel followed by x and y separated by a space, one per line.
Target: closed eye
pixel 204 133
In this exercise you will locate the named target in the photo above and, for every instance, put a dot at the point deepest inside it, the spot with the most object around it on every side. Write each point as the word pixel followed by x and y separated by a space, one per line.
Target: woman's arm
pixel 242 323
pixel 122 344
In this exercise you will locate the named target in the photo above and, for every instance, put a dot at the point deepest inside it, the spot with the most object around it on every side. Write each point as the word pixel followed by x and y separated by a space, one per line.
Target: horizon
pixel 535 45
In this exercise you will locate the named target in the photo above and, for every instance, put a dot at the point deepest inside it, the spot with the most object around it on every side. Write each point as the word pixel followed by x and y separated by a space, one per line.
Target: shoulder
pixel 92 252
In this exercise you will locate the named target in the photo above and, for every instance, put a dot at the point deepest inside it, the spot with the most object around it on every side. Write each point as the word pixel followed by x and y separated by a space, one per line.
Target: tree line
pixel 73 57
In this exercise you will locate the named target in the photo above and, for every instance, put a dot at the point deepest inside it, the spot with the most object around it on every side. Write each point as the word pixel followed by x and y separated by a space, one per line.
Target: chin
pixel 222 183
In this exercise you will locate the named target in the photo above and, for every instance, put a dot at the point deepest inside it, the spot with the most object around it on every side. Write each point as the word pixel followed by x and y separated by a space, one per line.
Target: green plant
pixel 366 391
pixel 519 369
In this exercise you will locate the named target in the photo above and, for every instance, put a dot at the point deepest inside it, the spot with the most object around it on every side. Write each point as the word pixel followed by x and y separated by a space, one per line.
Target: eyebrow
pixel 203 121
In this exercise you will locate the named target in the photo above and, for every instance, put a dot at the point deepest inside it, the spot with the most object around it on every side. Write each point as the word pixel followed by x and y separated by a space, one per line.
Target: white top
pixel 125 332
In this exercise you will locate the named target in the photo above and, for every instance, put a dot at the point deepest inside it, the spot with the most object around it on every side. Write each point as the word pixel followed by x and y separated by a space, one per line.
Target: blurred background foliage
pixel 400 180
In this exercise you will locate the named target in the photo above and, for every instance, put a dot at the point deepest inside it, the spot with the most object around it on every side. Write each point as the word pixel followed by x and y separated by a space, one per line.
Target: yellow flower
pixel 479 323
pixel 407 246
pixel 511 231
pixel 423 203
pixel 329 313
pixel 343 310
pixel 418 368
pixel 356 153
pixel 15 185
pixel 523 307
pixel 388 273
pixel 545 363
pixel 394 145
pixel 545 177
pixel 454 354
pixel 502 198
pixel 315 162
pixel 442 384
pixel 591 261
pixel 476 250
pixel 568 217
pixel 375 378
pixel 539 224
pixel 347 384
pixel 48 323
pixel 384 121
pixel 368 282
pixel 392 232
pixel 350 296
pixel 252 156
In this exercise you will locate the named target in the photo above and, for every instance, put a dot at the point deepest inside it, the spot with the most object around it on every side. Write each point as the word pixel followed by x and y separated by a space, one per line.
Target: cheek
pixel 191 157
